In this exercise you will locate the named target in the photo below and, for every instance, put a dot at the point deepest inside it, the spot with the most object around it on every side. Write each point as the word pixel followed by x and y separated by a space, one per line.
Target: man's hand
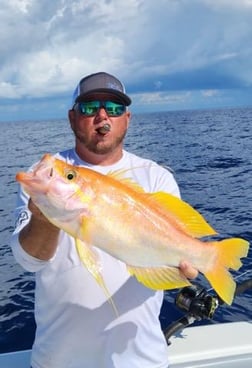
pixel 36 213
pixel 188 271
pixel 39 237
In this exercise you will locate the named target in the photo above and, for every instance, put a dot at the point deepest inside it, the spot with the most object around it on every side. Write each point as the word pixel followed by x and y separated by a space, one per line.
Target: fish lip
pixel 38 179
pixel 31 183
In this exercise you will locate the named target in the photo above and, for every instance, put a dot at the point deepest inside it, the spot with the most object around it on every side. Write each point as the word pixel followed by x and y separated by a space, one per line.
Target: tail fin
pixel 229 253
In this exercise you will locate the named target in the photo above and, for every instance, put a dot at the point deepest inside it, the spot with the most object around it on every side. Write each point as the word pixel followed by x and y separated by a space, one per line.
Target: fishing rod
pixel 199 304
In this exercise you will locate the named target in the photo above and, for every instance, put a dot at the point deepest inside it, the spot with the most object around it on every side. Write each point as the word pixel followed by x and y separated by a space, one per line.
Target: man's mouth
pixel 104 129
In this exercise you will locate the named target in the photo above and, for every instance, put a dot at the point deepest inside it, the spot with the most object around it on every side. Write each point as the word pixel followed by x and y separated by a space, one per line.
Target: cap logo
pixel 113 86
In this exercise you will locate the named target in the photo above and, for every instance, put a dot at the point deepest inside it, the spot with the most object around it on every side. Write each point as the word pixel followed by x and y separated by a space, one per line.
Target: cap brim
pixel 122 96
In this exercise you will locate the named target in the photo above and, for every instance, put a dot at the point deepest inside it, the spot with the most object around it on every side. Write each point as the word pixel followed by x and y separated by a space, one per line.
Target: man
pixel 76 325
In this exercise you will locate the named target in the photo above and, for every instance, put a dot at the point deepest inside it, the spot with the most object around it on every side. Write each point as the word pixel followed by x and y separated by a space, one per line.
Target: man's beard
pixel 99 147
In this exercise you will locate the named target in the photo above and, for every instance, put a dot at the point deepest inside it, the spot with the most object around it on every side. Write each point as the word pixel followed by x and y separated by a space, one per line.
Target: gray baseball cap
pixel 100 83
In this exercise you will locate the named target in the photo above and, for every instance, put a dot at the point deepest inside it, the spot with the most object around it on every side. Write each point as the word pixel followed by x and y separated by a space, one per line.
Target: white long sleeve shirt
pixel 76 324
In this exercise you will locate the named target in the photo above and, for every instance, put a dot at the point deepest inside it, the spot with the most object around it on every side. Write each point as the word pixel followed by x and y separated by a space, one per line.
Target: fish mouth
pixel 32 183
pixel 40 176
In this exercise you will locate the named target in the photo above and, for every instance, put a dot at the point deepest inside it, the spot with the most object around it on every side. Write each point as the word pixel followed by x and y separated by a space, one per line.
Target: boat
pixel 222 345
pixel 16 359
pixel 218 345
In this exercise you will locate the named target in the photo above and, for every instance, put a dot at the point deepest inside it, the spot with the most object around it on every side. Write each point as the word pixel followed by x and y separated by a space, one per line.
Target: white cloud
pixel 159 98
pixel 209 92
pixel 46 46
pixel 240 4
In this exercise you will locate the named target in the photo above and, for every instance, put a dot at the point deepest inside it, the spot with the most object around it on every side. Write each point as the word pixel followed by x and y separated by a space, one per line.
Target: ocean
pixel 210 154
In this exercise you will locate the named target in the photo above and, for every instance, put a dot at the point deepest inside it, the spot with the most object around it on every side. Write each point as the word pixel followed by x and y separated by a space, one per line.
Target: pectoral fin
pixel 159 278
pixel 91 261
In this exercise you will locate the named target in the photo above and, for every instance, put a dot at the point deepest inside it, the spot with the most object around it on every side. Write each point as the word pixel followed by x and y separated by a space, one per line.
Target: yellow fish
pixel 150 233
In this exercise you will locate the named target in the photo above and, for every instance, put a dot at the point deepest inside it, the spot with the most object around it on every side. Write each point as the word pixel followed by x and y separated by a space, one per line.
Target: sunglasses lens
pixel 90 108
pixel 114 109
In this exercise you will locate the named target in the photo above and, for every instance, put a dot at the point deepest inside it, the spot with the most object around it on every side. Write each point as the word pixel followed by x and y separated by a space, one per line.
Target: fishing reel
pixel 198 304
pixel 196 301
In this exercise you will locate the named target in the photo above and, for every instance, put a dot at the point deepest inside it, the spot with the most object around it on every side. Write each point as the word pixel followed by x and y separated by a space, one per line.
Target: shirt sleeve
pixel 162 179
pixel 22 217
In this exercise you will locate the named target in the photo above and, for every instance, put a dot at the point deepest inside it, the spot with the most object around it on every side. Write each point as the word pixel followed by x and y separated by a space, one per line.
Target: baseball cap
pixel 100 83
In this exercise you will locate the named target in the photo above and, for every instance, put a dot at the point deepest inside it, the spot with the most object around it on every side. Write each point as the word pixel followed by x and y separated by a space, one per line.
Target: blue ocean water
pixel 210 154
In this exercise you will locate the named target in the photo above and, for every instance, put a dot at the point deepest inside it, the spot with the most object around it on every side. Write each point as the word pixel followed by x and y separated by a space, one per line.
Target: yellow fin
pixel 159 278
pixel 191 221
pixel 120 176
pixel 90 260
pixel 229 253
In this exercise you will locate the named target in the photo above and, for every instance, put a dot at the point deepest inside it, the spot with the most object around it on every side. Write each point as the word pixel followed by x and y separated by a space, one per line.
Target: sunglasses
pixel 90 108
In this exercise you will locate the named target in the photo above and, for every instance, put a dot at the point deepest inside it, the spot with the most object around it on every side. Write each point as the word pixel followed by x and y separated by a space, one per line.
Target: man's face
pixel 87 128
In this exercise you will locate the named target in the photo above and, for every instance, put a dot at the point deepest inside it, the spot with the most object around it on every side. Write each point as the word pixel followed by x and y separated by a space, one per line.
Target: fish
pixel 150 232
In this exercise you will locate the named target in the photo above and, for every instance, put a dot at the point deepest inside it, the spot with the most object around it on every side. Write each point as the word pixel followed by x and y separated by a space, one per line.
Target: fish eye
pixel 70 175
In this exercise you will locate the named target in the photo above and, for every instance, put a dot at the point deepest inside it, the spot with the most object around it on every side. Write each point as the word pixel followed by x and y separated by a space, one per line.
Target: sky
pixel 170 54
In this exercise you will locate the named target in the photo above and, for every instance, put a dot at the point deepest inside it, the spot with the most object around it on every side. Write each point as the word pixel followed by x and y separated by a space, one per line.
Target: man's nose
pixel 102 113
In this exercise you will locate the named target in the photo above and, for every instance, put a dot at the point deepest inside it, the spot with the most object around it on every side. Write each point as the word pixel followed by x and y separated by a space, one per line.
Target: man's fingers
pixel 189 271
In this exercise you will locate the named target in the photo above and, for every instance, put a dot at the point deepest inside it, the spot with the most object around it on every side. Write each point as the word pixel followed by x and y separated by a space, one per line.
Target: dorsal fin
pixel 191 220
pixel 120 176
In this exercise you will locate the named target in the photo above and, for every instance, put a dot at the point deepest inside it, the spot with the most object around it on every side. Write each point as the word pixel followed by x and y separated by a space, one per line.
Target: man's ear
pixel 128 114
pixel 71 117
